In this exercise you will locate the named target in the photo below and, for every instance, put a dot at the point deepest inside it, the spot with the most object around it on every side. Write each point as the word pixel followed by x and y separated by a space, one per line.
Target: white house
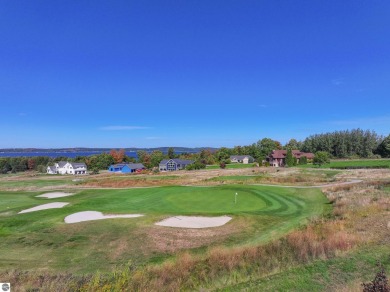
pixel 245 159
pixel 64 167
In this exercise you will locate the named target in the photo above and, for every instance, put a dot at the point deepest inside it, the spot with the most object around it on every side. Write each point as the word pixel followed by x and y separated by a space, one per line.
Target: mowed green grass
pixel 385 163
pixel 41 240
pixel 232 166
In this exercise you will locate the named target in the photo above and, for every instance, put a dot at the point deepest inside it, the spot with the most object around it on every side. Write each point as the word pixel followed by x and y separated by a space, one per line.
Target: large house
pixel 126 167
pixel 245 159
pixel 278 157
pixel 64 167
pixel 173 164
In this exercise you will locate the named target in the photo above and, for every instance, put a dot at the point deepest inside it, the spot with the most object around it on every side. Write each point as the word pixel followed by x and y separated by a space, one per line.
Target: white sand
pixel 55 195
pixel 44 207
pixel 94 215
pixel 194 221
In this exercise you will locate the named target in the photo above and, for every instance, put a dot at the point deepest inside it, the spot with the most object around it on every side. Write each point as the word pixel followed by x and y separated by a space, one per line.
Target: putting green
pixel 217 200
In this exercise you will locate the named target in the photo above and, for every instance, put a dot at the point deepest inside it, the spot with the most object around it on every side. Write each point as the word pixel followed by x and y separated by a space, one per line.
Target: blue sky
pixel 190 73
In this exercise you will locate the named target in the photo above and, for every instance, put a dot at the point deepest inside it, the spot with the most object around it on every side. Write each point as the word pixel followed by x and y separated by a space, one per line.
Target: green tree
pixel 155 158
pixel 321 158
pixel 384 147
pixel 223 154
pixel 289 158
pixel 303 160
pixel 171 153
pixel 265 147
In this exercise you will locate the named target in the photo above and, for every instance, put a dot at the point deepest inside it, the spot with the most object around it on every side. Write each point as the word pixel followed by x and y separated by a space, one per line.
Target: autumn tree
pixel 144 158
pixel 118 155
pixel 30 164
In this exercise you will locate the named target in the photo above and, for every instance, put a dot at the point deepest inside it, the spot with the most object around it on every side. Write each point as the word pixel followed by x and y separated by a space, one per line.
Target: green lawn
pixel 232 166
pixel 41 240
pixel 35 182
pixel 358 163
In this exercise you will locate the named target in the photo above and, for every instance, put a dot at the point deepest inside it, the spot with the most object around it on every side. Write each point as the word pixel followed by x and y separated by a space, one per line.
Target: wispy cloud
pixel 123 128
pixel 338 81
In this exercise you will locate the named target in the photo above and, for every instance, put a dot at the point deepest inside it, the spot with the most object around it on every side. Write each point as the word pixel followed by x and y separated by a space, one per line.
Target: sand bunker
pixel 94 215
pixel 194 221
pixel 44 207
pixel 55 195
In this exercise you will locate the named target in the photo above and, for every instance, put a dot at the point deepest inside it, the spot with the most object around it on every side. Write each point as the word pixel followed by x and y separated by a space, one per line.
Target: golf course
pixel 42 240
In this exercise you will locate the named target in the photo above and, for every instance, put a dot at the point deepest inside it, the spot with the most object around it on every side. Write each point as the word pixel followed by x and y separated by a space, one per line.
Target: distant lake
pixel 59 154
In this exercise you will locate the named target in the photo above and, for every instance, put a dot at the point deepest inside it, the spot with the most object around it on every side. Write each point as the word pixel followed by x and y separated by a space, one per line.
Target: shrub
pixel 380 282
pixel 222 165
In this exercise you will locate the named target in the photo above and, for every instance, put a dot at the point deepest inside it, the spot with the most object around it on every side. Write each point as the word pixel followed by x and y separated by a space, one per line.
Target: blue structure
pixel 126 167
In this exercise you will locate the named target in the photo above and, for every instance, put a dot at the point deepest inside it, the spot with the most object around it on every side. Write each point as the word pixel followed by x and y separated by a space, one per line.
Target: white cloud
pixel 123 128
pixel 338 81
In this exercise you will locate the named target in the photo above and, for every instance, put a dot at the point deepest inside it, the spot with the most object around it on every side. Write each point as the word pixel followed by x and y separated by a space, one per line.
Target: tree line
pixel 354 143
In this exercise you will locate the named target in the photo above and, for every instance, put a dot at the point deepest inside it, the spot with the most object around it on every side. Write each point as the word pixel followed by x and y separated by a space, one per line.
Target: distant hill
pixel 84 149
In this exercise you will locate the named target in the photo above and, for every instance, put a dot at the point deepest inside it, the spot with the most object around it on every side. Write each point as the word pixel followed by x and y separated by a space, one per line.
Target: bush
pixel 380 282
pixel 196 165
pixel 222 165
pixel 95 170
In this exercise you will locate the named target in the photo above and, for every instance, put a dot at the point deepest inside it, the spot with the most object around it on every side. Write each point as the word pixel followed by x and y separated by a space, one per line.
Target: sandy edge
pixel 94 215
pixel 55 205
pixel 194 221
pixel 54 195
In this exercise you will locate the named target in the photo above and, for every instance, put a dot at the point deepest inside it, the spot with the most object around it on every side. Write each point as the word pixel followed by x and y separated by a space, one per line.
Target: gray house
pixel 245 159
pixel 173 164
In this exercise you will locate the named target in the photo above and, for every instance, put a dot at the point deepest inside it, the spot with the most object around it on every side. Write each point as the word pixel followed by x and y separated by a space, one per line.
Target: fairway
pixel 259 214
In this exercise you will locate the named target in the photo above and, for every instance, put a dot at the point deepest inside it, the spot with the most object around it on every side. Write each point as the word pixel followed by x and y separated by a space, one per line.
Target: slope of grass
pixel 268 213
pixel 325 275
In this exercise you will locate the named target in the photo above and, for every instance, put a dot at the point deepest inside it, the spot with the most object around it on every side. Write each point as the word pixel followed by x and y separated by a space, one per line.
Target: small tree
pixel 320 158
pixel 380 282
pixel 303 160
pixel 222 165
pixel 289 158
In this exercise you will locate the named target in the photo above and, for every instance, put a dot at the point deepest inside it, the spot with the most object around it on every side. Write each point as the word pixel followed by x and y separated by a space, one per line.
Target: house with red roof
pixel 277 158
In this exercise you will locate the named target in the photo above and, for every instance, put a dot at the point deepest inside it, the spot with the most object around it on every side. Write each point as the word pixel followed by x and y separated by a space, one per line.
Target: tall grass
pixel 218 267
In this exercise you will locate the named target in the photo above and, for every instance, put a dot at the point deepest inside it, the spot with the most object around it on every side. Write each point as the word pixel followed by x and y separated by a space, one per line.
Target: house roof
pixel 61 163
pixel 130 165
pixel 135 165
pixel 277 154
pixel 52 168
pixel 177 161
pixel 240 157
pixel 78 164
